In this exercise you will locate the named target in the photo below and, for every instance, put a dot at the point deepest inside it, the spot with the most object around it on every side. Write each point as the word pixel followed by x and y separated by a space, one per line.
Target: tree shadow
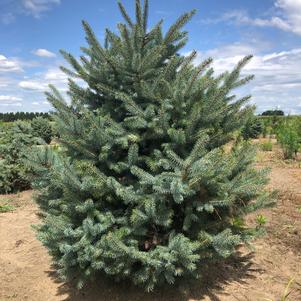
pixel 237 269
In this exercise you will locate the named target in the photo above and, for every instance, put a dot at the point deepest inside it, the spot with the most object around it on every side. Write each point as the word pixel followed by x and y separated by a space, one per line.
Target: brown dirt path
pixel 24 263
pixel 26 273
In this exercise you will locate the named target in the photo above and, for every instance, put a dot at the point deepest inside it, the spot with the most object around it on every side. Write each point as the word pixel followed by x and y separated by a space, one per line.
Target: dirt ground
pixel 26 272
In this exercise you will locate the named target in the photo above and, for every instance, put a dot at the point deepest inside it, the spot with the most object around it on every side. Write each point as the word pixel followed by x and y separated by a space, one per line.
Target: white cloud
pixel 32 85
pixel 241 17
pixel 9 65
pixel 277 75
pixel 20 87
pixel 235 49
pixel 288 17
pixel 44 53
pixel 56 75
pixel 292 14
pixel 5 82
pixel 9 98
pixel 15 104
pixel 10 101
pixel 10 9
pixel 38 7
pixel 40 82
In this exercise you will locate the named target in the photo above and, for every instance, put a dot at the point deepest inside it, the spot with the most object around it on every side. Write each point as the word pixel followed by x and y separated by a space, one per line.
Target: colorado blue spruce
pixel 148 182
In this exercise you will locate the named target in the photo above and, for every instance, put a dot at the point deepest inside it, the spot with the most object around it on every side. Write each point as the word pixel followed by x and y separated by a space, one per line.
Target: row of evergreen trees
pixel 144 187
pixel 14 116
pixel 16 140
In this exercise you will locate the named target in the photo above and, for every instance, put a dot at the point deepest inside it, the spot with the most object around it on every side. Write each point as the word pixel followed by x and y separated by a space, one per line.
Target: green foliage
pixel 273 113
pixel 266 146
pixel 252 129
pixel 261 220
pixel 14 142
pixel 41 127
pixel 267 131
pixel 6 208
pixel 14 116
pixel 142 188
pixel 270 124
pixel 267 126
pixel 289 139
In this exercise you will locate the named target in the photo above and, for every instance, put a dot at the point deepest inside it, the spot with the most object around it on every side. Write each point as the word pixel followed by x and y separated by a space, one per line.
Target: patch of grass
pixel 6 208
pixel 266 146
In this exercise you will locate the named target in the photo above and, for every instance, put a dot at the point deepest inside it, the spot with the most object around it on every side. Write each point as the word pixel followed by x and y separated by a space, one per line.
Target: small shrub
pixel 267 130
pixel 270 124
pixel 289 139
pixel 261 220
pixel 266 146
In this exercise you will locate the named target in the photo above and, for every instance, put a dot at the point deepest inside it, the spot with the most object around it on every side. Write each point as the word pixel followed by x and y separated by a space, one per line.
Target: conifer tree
pixel 15 140
pixel 41 127
pixel 143 187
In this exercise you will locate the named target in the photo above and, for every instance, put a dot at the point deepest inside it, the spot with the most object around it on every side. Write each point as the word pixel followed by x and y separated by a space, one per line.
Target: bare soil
pixel 26 272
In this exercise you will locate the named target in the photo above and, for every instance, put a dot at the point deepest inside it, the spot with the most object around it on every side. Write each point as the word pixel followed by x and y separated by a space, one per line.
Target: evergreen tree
pixel 253 128
pixel 15 139
pixel 41 127
pixel 273 113
pixel 143 187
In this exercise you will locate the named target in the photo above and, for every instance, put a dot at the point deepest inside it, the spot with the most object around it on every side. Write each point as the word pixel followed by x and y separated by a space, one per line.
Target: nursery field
pixel 26 272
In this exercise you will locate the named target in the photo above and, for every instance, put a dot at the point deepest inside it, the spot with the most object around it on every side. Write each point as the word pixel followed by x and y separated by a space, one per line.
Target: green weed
pixel 6 208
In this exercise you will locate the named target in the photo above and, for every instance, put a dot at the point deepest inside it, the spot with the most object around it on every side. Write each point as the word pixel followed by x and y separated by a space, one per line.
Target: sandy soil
pixel 26 272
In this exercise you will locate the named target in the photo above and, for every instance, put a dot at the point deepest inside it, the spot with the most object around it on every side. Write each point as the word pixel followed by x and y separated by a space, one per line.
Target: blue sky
pixel 33 31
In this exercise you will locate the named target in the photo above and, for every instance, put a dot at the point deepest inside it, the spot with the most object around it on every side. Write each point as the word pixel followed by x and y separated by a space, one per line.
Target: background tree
pixel 253 128
pixel 41 127
pixel 273 113
pixel 143 187
pixel 289 138
pixel 14 116
pixel 15 140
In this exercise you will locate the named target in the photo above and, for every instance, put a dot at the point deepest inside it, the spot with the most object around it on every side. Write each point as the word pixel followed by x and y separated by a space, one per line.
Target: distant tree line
pixel 14 116
pixel 273 113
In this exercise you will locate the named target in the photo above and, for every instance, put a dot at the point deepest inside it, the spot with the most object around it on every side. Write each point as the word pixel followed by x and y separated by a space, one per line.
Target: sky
pixel 33 31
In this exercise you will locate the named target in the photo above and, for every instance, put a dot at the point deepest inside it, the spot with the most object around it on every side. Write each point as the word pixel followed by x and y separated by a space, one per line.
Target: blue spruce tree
pixel 143 186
